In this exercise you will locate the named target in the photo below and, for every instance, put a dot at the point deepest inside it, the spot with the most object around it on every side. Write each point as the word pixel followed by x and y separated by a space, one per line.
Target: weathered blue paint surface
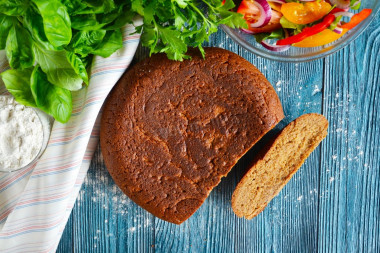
pixel 331 205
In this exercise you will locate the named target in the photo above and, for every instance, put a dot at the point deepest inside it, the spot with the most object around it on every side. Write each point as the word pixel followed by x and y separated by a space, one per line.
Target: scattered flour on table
pixel 21 134
pixel 316 90
pixel 278 85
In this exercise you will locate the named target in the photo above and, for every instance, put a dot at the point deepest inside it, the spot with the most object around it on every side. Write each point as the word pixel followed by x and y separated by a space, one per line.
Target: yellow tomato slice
pixel 325 37
pixel 305 13
pixel 275 6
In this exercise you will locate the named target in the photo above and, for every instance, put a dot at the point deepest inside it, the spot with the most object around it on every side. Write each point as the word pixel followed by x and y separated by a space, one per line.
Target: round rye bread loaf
pixel 171 130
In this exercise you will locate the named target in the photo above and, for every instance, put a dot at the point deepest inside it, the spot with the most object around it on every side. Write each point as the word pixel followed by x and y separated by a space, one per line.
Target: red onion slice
pixel 338 30
pixel 265 13
pixel 278 1
pixel 342 4
pixel 274 48
pixel 307 0
pixel 343 13
pixel 246 31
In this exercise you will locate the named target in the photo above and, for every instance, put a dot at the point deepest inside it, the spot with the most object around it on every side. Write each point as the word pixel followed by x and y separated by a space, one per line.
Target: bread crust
pixel 171 130
pixel 281 160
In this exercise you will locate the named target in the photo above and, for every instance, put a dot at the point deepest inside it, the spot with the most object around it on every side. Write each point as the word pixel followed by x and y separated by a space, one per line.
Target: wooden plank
pixel 66 243
pixel 105 219
pixel 349 202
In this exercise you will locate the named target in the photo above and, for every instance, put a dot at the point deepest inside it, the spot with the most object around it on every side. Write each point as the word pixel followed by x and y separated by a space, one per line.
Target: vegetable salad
pixel 303 23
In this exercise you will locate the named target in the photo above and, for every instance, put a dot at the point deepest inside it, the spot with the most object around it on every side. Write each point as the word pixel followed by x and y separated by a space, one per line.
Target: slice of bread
pixel 274 167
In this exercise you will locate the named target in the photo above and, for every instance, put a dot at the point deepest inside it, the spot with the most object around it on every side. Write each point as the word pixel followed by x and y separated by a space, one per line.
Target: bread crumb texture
pixel 273 169
pixel 171 130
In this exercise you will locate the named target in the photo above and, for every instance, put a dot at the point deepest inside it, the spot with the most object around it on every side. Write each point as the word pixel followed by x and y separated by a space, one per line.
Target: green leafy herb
pixel 78 65
pixel 19 48
pixel 58 69
pixel 112 41
pixel 17 83
pixel 53 100
pixel 335 23
pixel 290 25
pixel 56 20
pixel 357 6
pixel 50 43
pixel 13 7
pixel 172 26
pixel 6 24
pixel 84 42
pixel 277 34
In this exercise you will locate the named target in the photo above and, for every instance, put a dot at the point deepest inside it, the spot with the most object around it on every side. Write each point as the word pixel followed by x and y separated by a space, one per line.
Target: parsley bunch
pixel 49 44
pixel 173 26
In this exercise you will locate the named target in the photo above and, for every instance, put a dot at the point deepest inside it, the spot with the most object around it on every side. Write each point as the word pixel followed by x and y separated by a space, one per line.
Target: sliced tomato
pixel 249 10
pixel 251 13
pixel 357 18
pixel 275 6
pixel 266 29
pixel 305 13
pixel 325 37
pixel 273 24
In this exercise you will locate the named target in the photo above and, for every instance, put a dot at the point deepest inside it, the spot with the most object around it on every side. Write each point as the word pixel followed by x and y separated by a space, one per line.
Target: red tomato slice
pixel 273 24
pixel 249 10
pixel 251 13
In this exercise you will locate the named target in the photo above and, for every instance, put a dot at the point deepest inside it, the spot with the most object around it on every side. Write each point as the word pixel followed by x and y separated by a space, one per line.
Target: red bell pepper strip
pixel 357 18
pixel 308 31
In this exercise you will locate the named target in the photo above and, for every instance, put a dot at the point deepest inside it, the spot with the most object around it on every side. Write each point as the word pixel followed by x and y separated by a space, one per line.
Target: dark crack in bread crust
pixel 171 130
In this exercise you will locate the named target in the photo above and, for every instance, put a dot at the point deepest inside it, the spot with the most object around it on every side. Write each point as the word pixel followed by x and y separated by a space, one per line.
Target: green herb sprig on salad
pixel 49 44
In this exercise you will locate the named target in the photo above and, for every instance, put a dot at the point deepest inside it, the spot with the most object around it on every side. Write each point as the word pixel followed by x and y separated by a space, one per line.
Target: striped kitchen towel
pixel 35 203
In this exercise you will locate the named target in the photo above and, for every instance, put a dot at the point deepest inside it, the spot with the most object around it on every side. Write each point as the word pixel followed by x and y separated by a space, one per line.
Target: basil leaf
pixel 6 23
pixel 51 99
pixel 13 7
pixel 98 6
pixel 17 83
pixel 85 42
pixel 57 68
pixel 74 6
pixel 112 41
pixel 86 22
pixel 19 48
pixel 77 65
pixel 34 23
pixel 123 19
pixel 56 21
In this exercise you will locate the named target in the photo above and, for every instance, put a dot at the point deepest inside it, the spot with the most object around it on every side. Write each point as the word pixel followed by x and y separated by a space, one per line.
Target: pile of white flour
pixel 21 134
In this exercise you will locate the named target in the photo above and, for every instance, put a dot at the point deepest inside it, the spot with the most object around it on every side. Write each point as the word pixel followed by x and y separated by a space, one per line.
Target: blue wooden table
pixel 332 204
